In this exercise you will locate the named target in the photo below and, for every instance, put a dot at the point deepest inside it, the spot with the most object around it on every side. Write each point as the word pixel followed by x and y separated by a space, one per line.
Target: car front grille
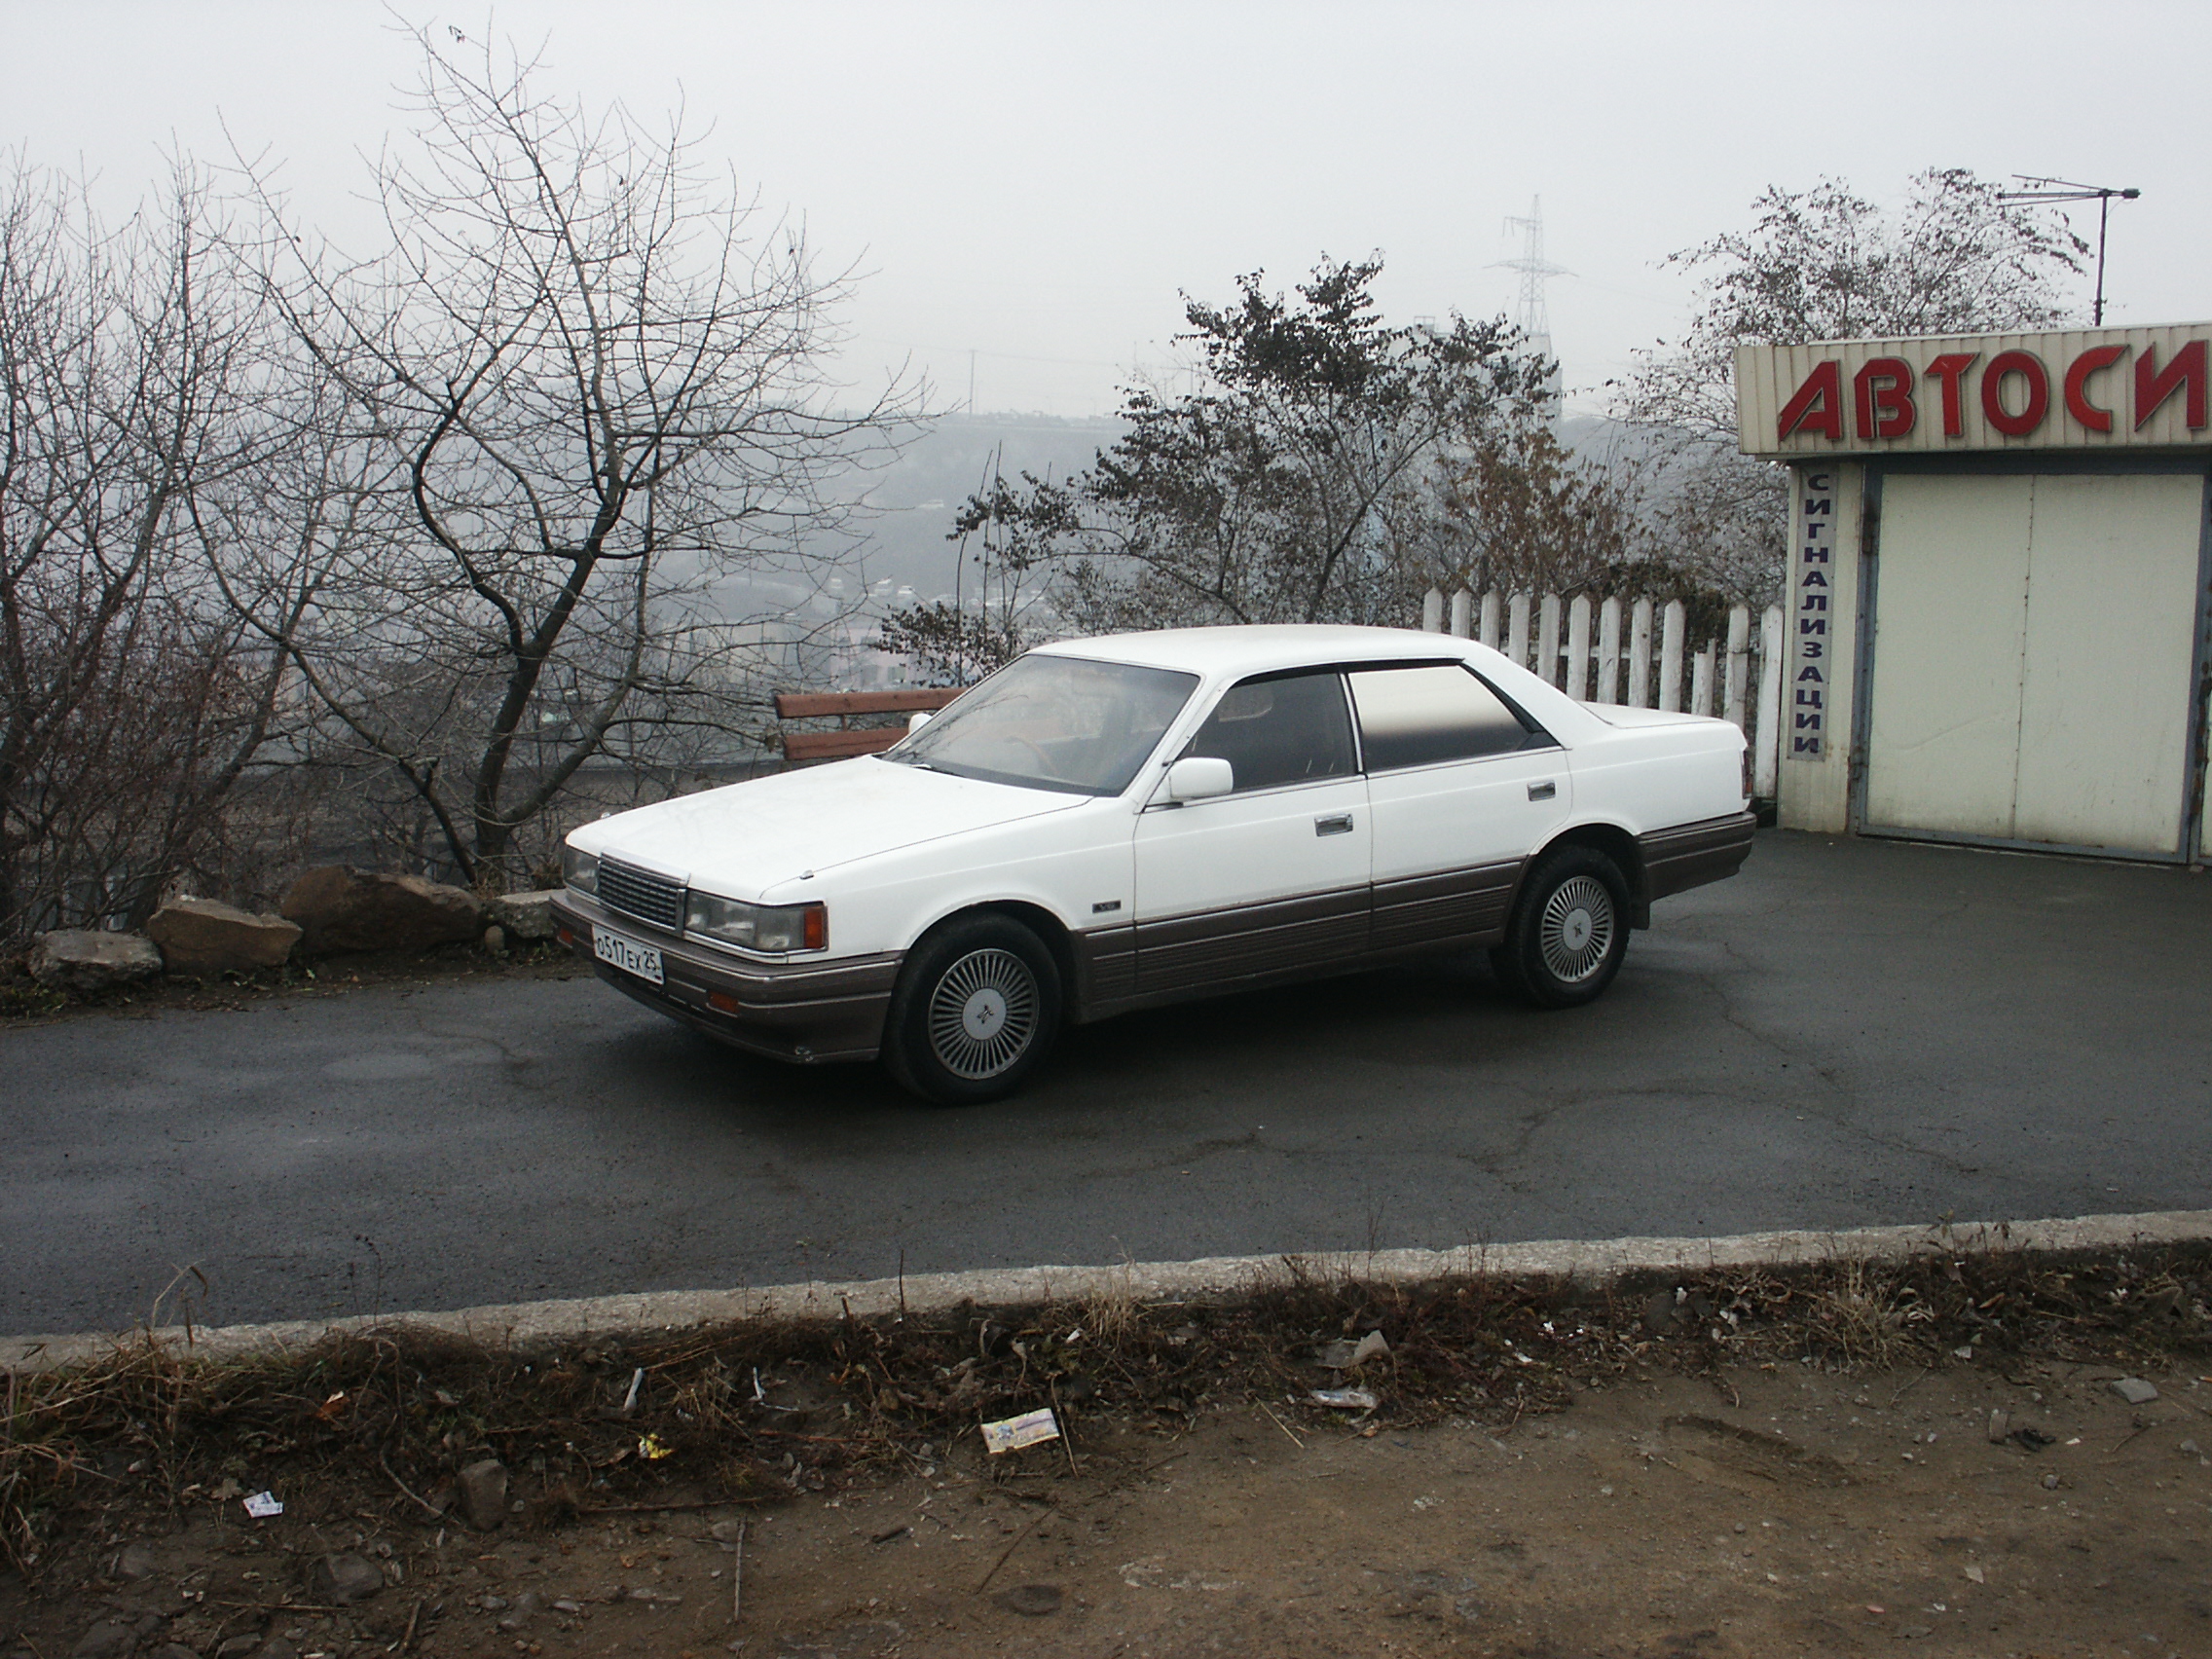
pixel 637 893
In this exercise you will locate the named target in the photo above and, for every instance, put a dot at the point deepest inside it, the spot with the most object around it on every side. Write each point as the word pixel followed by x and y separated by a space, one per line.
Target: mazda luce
pixel 1111 824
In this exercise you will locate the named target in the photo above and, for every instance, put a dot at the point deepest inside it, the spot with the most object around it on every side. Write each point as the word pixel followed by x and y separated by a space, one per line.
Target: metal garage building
pixel 1998 586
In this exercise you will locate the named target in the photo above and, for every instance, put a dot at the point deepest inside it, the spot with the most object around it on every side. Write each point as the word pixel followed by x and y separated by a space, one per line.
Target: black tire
pixel 975 1012
pixel 1569 930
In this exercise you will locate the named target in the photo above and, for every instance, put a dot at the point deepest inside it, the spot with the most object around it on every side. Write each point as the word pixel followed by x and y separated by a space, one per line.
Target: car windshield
pixel 1052 722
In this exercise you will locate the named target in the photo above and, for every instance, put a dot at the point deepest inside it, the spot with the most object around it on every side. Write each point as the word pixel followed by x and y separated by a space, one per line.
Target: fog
pixel 1021 191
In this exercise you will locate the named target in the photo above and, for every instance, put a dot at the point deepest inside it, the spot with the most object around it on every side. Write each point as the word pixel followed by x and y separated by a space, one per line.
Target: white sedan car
pixel 1111 824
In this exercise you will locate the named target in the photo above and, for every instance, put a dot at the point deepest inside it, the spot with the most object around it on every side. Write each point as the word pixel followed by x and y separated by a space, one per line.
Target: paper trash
pixel 1027 1429
pixel 1345 1399
pixel 262 1504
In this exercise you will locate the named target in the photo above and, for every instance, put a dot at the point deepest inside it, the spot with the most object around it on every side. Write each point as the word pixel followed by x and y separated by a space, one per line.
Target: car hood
pixel 745 838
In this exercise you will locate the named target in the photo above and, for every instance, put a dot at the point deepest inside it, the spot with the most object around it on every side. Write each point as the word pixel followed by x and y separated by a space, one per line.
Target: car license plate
pixel 627 954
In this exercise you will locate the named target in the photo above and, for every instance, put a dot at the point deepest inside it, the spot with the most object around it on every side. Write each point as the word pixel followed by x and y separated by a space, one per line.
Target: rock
pixel 525 916
pixel 345 1579
pixel 2050 1483
pixel 199 936
pixel 483 1488
pixel 727 1531
pixel 2000 1426
pixel 1031 1600
pixel 77 959
pixel 340 909
pixel 239 1648
pixel 2134 1391
pixel 495 940
pixel 106 1639
pixel 135 1561
pixel 526 1605
pixel 277 1647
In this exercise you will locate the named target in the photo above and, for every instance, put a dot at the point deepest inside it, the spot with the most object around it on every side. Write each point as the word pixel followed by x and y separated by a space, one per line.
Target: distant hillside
pixel 912 502
pixel 909 507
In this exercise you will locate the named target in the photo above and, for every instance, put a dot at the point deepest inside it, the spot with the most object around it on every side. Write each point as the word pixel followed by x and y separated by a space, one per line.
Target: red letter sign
pixel 2077 375
pixel 1952 370
pixel 1882 392
pixel 2029 367
pixel 1818 404
pixel 2153 385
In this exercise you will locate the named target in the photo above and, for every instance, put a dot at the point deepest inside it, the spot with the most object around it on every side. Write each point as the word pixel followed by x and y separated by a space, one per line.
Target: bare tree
pixel 1517 510
pixel 1293 486
pixel 1823 263
pixel 582 384
pixel 131 365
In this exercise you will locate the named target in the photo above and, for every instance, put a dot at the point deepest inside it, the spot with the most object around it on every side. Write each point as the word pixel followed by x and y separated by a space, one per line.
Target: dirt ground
pixel 24 1002
pixel 1831 1463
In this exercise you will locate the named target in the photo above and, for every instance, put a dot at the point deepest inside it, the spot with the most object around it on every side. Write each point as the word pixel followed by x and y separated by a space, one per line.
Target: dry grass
pixel 379 1423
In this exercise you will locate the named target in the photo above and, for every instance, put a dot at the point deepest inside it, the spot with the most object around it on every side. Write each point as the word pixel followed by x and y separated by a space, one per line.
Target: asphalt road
pixel 1849 1033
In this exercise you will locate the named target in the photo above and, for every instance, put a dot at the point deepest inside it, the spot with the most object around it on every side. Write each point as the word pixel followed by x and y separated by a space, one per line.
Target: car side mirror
pixel 919 718
pixel 1200 777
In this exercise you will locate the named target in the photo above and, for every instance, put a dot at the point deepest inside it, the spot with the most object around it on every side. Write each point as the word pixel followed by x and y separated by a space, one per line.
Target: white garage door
pixel 2033 650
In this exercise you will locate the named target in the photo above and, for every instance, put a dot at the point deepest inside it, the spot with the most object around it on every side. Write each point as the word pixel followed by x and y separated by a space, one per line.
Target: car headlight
pixel 580 870
pixel 757 927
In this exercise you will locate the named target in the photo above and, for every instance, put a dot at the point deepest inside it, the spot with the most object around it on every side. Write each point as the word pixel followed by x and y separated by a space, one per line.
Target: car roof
pixel 1259 649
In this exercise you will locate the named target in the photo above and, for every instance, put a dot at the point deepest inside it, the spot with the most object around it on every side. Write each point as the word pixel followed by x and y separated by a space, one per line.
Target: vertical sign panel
pixel 1812 628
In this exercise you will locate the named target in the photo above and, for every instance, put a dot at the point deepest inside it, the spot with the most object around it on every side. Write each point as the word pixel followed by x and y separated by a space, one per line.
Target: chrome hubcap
pixel 1575 932
pixel 983 1014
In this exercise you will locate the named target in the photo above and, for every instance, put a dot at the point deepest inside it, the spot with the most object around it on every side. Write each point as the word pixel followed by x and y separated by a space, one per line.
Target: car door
pixel 1463 787
pixel 1273 875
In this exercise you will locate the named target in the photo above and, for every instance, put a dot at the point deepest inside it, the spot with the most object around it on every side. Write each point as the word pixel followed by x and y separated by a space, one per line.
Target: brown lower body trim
pixel 1290 973
pixel 1247 945
pixel 1105 967
pixel 1454 907
pixel 1690 855
pixel 804 1011
pixel 1245 941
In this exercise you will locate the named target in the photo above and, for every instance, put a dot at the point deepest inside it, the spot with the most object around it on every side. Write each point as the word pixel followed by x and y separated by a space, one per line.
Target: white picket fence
pixel 1615 662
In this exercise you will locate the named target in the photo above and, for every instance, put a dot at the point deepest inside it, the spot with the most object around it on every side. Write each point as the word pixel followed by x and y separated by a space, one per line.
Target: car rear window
pixel 1417 717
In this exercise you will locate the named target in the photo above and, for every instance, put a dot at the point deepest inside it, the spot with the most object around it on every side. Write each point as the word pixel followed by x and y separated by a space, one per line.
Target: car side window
pixel 1289 730
pixel 1417 717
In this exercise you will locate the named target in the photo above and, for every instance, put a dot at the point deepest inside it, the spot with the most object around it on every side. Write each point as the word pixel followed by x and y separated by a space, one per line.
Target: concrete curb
pixel 1595 1260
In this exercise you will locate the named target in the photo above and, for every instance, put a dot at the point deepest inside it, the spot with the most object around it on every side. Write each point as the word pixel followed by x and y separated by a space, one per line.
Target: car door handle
pixel 1336 823
pixel 1545 790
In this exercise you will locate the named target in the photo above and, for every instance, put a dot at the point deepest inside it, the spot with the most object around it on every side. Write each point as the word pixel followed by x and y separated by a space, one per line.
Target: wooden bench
pixel 848 739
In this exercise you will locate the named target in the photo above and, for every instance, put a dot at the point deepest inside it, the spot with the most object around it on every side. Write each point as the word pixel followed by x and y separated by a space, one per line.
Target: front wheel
pixel 1569 930
pixel 976 1009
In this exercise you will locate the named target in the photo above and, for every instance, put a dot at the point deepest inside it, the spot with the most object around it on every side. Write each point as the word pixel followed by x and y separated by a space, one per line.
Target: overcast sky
pixel 1034 182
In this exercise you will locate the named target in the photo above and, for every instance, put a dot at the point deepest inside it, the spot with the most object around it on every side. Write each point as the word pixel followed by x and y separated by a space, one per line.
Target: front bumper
pixel 805 1012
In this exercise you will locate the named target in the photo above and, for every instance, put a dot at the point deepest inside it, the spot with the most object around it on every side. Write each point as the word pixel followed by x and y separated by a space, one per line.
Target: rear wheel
pixel 1569 930
pixel 976 1011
